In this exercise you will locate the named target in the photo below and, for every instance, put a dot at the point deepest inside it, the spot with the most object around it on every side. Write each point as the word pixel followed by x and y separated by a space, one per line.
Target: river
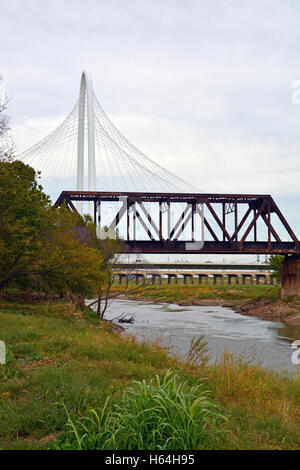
pixel 268 343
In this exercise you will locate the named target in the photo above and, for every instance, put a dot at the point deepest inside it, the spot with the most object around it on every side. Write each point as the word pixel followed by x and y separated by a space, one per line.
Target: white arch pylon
pixel 86 101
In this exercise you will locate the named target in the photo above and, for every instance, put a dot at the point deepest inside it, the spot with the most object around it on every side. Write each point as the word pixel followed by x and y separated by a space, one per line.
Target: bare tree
pixel 6 142
pixel 105 294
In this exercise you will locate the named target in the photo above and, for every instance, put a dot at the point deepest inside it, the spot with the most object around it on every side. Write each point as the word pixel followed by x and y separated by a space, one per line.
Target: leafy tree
pixel 42 247
pixel 275 264
pixel 41 244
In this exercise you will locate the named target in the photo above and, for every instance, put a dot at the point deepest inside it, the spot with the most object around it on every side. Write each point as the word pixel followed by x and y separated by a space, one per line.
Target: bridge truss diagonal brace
pixel 271 228
pixel 187 215
pixel 284 222
pixel 123 209
pixel 138 215
pixel 222 226
pixel 180 220
pixel 71 205
pixel 253 222
pixel 237 230
pixel 150 220
pixel 184 224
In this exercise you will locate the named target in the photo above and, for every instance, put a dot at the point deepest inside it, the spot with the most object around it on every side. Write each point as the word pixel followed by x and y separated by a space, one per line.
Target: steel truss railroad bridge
pixel 162 237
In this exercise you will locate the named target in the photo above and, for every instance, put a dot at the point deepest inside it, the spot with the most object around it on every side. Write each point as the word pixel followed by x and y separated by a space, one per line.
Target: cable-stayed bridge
pixel 97 170
pixel 87 152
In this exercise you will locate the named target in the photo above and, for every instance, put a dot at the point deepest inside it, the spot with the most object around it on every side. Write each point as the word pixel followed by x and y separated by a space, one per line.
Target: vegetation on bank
pixel 275 263
pixel 194 294
pixel 48 251
pixel 62 359
pixel 166 413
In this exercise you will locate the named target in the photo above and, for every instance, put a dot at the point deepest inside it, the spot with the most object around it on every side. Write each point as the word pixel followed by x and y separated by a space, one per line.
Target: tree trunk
pixel 99 308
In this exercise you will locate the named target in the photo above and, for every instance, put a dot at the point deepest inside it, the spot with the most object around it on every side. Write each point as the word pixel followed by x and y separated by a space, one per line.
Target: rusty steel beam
pixel 238 228
pixel 156 197
pixel 253 222
pixel 210 247
pixel 272 230
pixel 225 233
pixel 284 222
pixel 207 225
pixel 243 205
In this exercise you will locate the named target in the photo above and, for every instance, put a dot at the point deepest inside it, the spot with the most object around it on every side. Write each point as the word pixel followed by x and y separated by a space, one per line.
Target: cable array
pixel 120 166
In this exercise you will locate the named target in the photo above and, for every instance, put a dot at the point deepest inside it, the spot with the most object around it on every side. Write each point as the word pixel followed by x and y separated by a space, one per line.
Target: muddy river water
pixel 266 342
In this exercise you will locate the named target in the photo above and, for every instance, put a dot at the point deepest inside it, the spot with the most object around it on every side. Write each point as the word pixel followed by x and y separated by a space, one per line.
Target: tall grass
pixel 163 413
pixel 198 351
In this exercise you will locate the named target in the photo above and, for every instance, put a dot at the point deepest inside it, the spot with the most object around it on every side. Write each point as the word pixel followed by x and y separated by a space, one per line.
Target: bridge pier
pixel 139 276
pixel 232 276
pixel 170 278
pixel 154 276
pixel 261 276
pixel 216 276
pixel 244 278
pixel 188 276
pixel 121 277
pixel 290 283
pixel 201 276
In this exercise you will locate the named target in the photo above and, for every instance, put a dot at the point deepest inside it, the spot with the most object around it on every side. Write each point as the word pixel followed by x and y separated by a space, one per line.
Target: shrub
pixel 164 414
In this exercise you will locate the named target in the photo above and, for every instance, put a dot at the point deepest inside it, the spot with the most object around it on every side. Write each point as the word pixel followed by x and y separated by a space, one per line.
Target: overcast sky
pixel 203 88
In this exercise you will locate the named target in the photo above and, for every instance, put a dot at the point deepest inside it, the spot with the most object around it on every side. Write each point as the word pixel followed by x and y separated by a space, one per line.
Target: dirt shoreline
pixel 265 309
pixel 269 310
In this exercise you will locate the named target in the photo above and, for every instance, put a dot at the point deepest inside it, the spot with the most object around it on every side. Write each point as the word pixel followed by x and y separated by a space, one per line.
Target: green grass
pixel 59 359
pixel 234 294
pixel 163 413
pixel 56 358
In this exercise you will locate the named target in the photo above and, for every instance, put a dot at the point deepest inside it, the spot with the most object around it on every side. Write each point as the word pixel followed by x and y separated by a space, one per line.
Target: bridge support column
pixel 290 283
pixel 232 276
pixel 188 276
pixel 121 277
pixel 158 276
pixel 245 276
pixel 201 276
pixel 170 278
pixel 138 277
pixel 216 276
pixel 261 276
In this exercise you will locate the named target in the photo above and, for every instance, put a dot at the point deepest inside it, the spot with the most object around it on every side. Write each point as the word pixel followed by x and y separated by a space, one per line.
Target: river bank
pixel 261 301
pixel 57 355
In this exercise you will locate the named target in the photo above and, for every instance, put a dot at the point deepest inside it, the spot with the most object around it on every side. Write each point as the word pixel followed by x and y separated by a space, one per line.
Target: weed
pixel 163 413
